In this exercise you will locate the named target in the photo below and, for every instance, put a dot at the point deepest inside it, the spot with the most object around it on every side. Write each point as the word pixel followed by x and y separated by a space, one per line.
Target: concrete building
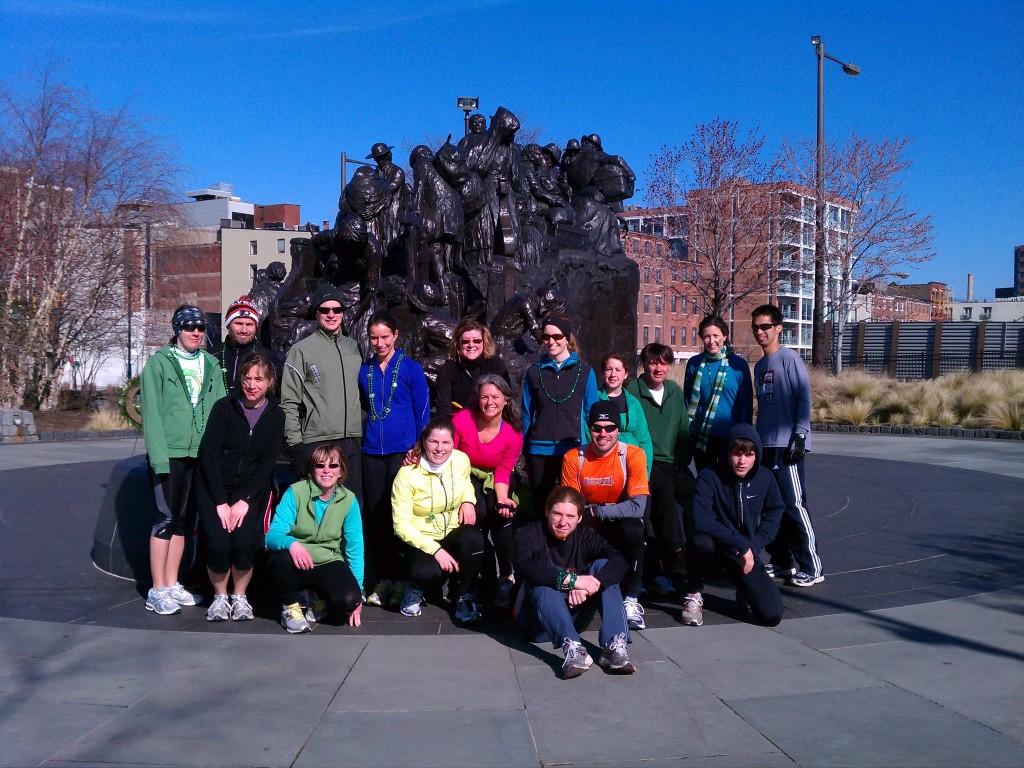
pixel 214 258
pixel 996 310
pixel 884 303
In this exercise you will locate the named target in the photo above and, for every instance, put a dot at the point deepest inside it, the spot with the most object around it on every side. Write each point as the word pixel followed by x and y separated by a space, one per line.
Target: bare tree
pixel 871 231
pixel 717 188
pixel 73 180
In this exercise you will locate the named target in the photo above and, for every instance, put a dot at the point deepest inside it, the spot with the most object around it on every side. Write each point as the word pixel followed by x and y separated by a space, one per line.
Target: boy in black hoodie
pixel 737 507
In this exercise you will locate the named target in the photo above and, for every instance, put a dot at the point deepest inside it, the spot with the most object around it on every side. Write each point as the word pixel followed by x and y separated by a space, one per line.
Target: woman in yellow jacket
pixel 433 505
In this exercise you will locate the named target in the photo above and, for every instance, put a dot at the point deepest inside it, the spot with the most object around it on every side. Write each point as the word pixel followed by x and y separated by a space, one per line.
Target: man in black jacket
pixel 561 566
pixel 737 507
pixel 242 323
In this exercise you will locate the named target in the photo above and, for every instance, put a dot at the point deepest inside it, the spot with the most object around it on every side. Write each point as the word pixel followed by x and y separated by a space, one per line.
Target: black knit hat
pixel 323 294
pixel 603 410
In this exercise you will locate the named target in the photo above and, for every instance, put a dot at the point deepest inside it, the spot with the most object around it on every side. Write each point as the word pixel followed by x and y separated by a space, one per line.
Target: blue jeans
pixel 544 611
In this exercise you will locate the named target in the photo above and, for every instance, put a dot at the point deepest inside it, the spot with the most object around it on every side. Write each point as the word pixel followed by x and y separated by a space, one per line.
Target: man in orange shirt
pixel 612 477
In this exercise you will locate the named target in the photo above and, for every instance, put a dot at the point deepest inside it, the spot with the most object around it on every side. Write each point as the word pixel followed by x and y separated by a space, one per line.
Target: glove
pixel 796 448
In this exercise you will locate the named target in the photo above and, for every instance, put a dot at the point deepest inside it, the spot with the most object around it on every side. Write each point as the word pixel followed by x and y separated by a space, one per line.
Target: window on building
pixel 647 274
pixel 693 308
pixel 647 304
pixel 683 308
pixel 647 335
pixel 693 337
pixel 806 311
pixel 657 333
pixel 967 313
pixel 253 269
pixel 280 245
pixel 252 247
pixel 675 303
pixel 657 305
pixel 672 335
pixel 657 276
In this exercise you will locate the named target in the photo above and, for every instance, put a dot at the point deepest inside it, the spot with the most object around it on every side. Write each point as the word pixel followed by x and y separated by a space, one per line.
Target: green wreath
pixel 129 399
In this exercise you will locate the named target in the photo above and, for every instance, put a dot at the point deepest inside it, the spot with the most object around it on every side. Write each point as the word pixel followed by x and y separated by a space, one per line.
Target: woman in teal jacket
pixel 316 543
pixel 180 384
pixel 633 428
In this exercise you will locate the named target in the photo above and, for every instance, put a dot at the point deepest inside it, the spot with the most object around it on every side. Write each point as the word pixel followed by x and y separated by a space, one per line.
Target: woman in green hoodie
pixel 180 384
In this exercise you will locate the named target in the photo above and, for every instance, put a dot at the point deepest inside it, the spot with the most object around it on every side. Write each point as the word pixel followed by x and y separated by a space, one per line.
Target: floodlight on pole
pixel 819 349
pixel 467 104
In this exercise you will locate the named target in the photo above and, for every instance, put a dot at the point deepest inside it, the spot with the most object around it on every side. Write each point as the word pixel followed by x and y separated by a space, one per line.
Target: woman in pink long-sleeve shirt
pixel 490 432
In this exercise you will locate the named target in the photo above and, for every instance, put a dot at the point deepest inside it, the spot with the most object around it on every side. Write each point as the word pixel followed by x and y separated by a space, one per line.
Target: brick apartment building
pixel 780 241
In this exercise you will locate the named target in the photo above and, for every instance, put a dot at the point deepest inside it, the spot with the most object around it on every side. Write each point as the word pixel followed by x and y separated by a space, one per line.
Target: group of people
pixel 400 494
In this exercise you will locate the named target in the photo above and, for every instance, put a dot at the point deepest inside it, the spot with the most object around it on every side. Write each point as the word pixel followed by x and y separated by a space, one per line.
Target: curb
pixel 885 429
pixel 59 437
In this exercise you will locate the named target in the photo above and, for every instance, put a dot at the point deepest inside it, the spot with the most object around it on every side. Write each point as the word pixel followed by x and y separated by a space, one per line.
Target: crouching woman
pixel 316 542
pixel 434 509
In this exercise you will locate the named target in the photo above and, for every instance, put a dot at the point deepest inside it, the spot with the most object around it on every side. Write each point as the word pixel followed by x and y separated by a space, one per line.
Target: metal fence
pixel 929 350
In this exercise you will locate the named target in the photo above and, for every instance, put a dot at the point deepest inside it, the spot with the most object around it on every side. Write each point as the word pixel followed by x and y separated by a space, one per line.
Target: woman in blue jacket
pixel 719 391
pixel 396 399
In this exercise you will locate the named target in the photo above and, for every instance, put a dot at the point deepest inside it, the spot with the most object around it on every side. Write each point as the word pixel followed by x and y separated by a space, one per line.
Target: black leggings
pixel 544 473
pixel 465 544
pixel 334 581
pixel 627 536
pixel 382 546
pixel 236 548
pixel 500 528
pixel 173 494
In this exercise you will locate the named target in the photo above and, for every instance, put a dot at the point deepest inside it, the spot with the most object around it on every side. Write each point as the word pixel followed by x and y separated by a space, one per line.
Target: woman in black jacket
pixel 472 354
pixel 237 456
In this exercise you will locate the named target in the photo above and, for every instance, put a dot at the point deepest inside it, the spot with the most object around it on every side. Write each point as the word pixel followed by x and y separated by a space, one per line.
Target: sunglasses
pixel 194 327
pixel 471 342
pixel 327 466
pixel 329 310
pixel 763 326
pixel 552 336
pixel 606 428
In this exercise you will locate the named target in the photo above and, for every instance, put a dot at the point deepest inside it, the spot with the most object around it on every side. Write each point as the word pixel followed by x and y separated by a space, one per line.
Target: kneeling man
pixel 567 572
pixel 737 507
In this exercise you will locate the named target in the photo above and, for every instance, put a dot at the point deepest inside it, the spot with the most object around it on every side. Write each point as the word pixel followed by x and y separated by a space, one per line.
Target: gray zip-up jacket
pixel 320 390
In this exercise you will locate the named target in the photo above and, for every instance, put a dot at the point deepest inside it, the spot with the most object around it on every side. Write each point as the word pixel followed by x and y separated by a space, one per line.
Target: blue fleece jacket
pixel 408 407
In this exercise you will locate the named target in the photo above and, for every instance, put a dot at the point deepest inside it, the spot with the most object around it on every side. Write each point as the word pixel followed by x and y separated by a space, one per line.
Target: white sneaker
pixel 240 608
pixel 219 610
pixel 577 660
pixel 160 602
pixel 634 613
pixel 182 596
pixel 693 610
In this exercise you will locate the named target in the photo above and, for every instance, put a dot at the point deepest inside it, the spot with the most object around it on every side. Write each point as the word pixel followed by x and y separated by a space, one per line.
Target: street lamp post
pixel 345 162
pixel 819 349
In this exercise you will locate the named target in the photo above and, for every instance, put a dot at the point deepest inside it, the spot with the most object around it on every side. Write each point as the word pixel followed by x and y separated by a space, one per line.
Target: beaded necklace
pixel 448 504
pixel 376 415
pixel 555 400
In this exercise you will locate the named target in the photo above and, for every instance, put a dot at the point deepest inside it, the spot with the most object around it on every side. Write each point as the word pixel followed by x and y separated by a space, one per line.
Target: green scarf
pixel 708 415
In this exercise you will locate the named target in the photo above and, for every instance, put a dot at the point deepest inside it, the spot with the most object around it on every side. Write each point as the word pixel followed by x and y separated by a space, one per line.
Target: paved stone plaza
pixel 909 654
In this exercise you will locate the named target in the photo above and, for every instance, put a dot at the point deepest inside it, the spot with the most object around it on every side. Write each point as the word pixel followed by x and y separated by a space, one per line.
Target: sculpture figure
pixel 390 221
pixel 441 216
pixel 592 166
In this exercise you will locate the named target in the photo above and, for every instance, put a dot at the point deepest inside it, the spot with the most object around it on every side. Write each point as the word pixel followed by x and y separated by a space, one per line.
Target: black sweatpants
pixel 756 587
pixel 465 544
pixel 333 581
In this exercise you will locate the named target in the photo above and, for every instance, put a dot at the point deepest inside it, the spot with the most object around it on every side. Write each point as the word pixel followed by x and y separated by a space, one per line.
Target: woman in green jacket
pixel 180 384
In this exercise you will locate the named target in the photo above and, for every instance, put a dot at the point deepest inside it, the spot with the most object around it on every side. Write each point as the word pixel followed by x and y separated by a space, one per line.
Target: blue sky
pixel 266 95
